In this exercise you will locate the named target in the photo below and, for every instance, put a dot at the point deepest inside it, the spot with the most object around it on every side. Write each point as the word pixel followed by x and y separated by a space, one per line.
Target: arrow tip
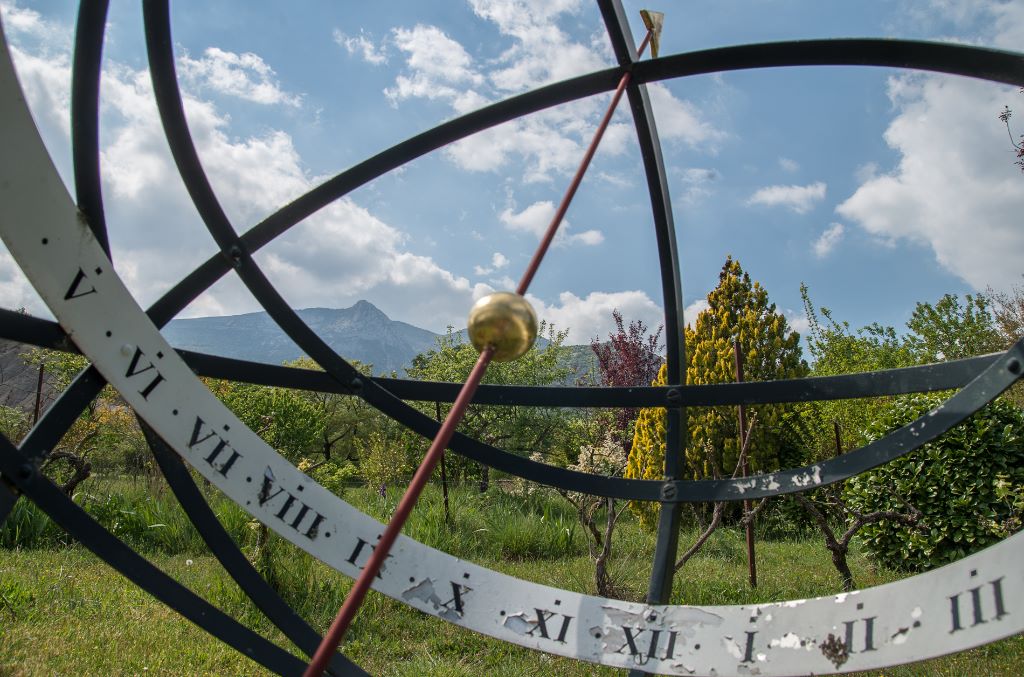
pixel 654 22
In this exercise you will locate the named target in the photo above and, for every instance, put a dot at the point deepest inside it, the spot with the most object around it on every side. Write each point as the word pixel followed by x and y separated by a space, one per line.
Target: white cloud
pixel 828 240
pixel 498 261
pixel 588 237
pixel 436 61
pixel 533 219
pixel 866 172
pixel 798 322
pixel 691 311
pixel 680 120
pixel 246 76
pixel 591 316
pixel 799 199
pixel 955 188
pixel 541 52
pixel 549 142
pixel 619 181
pixel 15 290
pixel 536 218
pixel 697 183
pixel 339 255
pixel 22 20
pixel 361 45
pixel 788 165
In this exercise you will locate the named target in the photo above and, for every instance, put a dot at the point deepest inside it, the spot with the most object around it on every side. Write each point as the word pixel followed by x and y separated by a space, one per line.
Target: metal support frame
pixel 979 380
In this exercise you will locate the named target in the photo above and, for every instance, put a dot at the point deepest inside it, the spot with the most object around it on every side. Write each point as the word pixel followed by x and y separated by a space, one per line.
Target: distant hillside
pixel 18 380
pixel 362 332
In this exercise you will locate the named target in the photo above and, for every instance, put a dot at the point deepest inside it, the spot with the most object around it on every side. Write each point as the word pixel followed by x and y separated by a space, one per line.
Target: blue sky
pixel 877 188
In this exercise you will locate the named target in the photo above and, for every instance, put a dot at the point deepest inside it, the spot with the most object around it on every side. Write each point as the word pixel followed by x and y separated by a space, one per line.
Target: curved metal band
pixel 87 384
pixel 617 26
pixel 918 379
pixel 234 562
pixel 964 60
pixel 157 22
pixel 85 151
pixel 18 470
pixel 85 115
pixel 911 379
pixel 51 251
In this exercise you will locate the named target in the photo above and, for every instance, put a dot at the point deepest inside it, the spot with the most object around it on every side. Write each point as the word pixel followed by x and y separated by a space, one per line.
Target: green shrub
pixel 956 482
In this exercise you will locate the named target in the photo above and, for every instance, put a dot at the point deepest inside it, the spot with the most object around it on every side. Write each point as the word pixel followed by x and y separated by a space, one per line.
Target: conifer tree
pixel 737 308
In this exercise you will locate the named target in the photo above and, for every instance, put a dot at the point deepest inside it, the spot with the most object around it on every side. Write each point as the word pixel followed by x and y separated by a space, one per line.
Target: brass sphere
pixel 503 320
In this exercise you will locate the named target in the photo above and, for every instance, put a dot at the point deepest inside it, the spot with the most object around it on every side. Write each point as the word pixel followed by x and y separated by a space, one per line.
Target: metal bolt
pixel 235 252
pixel 668 491
pixel 26 471
pixel 356 384
pixel 1014 366
pixel 673 397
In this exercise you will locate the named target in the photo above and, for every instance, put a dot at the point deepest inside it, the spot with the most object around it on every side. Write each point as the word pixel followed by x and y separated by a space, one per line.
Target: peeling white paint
pixel 789 640
pixel 519 624
pixel 418 573
pixel 732 647
pixel 808 479
pixel 743 486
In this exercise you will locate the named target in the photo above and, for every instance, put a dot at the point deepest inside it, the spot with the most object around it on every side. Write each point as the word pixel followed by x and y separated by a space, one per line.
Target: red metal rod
pixel 556 220
pixel 355 596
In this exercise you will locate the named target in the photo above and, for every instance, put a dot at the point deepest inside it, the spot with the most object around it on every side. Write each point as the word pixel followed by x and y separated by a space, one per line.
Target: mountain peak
pixel 365 310
pixel 364 305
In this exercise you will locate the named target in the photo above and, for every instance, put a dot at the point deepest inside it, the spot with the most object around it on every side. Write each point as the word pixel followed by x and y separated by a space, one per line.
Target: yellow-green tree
pixel 647 455
pixel 738 308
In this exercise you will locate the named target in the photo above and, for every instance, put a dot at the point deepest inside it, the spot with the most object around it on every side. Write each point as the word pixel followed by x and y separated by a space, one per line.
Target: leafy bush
pixel 958 483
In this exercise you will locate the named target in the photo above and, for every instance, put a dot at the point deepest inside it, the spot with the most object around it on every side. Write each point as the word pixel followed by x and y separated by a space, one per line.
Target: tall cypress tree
pixel 737 308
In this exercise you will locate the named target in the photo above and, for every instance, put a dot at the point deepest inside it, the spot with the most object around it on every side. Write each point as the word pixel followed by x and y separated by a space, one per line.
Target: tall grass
pixel 146 515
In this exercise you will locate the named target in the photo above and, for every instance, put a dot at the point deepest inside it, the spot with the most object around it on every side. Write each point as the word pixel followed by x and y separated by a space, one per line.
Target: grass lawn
pixel 62 611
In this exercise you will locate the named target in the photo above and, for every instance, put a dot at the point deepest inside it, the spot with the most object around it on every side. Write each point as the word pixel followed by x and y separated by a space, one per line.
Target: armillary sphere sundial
pixel 61 245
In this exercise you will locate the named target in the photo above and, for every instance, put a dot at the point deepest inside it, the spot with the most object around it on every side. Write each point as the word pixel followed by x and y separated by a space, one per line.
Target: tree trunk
pixel 485 478
pixel 839 561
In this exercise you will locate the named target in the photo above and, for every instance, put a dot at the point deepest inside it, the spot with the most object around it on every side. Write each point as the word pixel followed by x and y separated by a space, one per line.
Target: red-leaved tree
pixel 630 357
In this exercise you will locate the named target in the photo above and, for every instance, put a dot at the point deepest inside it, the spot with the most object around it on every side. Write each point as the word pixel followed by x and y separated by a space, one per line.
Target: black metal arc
pixel 953 59
pixel 19 470
pixel 919 379
pixel 978 62
pixel 666 545
pixel 981 389
pixel 157 22
pixel 85 152
pixel 939 57
pixel 87 384
pixel 85 115
pixel 383 393
pixel 231 558
pixel 1000 61
pixel 999 376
